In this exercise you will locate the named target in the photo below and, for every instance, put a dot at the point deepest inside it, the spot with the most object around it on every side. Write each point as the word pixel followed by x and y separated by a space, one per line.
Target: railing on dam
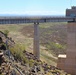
pixel 18 20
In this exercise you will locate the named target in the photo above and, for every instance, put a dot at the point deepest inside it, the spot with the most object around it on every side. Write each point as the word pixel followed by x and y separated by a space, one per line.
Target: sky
pixel 35 7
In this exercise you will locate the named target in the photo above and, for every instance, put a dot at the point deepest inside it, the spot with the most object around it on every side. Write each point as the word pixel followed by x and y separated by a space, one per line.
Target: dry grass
pixel 15 31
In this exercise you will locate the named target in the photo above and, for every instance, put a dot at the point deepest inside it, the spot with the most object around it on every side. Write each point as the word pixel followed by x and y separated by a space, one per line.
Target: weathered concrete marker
pixel 36 50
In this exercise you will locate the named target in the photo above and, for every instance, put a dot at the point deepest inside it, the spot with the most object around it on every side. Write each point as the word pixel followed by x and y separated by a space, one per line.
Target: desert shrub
pixel 57 48
pixel 24 59
pixel 17 52
pixel 6 32
pixel 31 62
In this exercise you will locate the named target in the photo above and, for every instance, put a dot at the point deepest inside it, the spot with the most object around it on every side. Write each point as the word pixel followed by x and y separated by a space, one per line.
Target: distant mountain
pixel 28 15
pixel 11 15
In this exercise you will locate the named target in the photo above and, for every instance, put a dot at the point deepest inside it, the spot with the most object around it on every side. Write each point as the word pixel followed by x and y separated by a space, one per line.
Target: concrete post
pixel 36 50
pixel 70 62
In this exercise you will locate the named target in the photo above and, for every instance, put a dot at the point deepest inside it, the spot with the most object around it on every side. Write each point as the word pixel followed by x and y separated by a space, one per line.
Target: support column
pixel 70 62
pixel 36 50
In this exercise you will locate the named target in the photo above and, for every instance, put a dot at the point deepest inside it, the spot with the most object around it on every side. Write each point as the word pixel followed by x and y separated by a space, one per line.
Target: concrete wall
pixel 69 64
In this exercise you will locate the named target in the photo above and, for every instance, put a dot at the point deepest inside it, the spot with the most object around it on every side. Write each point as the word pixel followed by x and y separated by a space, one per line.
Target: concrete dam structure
pixel 66 62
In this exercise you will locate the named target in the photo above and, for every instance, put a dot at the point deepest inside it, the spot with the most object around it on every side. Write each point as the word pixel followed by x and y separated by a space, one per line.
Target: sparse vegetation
pixel 53 37
pixel 23 34
pixel 6 32
pixel 31 64
pixel 17 52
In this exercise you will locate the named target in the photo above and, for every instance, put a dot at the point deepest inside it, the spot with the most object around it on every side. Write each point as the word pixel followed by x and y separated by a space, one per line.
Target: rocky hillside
pixel 23 63
pixel 53 36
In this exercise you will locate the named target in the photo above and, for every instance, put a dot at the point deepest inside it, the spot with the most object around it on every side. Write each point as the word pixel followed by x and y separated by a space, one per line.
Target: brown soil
pixel 28 31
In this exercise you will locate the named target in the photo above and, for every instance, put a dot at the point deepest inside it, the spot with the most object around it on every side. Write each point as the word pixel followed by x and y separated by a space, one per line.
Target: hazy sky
pixel 35 7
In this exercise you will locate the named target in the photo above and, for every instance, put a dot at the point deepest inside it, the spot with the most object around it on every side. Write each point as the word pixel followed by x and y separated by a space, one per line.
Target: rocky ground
pixel 11 65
